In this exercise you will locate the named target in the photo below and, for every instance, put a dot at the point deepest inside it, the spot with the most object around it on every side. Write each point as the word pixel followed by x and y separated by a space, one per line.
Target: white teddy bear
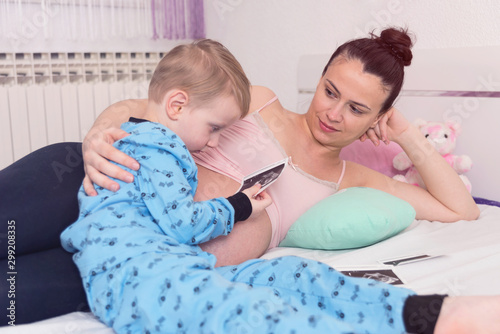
pixel 443 137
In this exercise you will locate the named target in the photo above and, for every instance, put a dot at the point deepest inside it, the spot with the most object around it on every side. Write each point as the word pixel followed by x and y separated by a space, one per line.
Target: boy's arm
pixel 97 146
pixel 166 183
pixel 169 198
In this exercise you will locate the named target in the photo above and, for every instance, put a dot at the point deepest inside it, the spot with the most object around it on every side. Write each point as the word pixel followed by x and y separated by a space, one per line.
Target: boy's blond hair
pixel 204 69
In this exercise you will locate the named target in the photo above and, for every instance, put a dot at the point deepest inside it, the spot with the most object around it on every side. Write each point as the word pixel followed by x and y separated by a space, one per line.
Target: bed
pixel 462 84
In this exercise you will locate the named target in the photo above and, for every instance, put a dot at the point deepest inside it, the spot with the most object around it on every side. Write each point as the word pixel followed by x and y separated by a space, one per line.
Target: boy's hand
pixel 259 202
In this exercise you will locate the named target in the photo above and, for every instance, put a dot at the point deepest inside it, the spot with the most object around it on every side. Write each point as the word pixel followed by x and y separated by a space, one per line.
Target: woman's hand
pixel 97 150
pixel 388 128
pixel 259 202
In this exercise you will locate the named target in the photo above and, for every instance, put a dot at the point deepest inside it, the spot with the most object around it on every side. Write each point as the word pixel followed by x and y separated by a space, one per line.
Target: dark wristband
pixel 420 313
pixel 242 206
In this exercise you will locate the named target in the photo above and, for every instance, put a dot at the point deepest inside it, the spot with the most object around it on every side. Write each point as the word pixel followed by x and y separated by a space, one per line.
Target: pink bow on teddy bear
pixel 442 137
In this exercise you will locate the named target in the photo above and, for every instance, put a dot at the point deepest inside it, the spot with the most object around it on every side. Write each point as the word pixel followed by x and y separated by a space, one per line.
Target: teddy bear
pixel 442 136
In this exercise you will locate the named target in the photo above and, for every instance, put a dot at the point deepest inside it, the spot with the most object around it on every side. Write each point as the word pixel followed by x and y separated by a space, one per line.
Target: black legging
pixel 39 198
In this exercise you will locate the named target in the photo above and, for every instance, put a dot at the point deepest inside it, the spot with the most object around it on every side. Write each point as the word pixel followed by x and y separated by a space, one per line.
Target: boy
pixel 196 91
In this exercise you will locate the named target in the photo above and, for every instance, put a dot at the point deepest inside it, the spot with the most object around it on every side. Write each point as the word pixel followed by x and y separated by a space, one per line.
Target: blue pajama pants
pixel 175 293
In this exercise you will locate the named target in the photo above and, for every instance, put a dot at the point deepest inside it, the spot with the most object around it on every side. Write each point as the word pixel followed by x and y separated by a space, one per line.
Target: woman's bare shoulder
pixel 272 112
pixel 262 92
pixel 260 96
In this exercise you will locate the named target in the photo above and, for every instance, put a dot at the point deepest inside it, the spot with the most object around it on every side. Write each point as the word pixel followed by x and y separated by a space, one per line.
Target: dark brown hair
pixel 384 56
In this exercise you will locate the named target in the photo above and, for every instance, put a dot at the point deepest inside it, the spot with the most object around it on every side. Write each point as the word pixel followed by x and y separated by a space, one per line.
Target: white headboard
pixel 460 84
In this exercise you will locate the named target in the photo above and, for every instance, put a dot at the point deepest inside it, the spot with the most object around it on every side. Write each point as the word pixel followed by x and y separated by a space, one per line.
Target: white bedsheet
pixel 470 265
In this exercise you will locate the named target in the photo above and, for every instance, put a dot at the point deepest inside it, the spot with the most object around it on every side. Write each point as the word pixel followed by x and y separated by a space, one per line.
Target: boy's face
pixel 200 126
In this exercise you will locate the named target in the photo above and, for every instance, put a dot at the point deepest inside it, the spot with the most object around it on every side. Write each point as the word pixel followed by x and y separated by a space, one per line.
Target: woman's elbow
pixel 470 214
pixel 473 214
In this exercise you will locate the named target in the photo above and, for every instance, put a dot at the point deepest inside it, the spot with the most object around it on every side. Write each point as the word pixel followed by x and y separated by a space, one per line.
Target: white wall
pixel 269 36
pixel 77 28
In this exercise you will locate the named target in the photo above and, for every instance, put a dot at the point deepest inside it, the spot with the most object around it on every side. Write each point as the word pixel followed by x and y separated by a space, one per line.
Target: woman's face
pixel 346 103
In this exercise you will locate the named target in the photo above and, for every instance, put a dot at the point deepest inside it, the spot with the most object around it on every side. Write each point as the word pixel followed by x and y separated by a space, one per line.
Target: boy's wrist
pixel 420 313
pixel 241 205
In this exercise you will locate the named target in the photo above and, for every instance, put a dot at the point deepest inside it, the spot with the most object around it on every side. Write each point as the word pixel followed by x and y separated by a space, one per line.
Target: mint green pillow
pixel 351 218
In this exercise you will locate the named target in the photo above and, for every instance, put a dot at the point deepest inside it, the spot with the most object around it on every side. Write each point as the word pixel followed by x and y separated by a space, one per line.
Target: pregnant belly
pixel 248 239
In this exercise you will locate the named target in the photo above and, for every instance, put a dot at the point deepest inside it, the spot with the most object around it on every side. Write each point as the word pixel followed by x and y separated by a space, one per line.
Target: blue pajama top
pixel 155 211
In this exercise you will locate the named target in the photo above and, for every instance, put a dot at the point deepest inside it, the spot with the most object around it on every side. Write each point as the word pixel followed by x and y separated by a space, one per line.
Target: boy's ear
pixel 175 101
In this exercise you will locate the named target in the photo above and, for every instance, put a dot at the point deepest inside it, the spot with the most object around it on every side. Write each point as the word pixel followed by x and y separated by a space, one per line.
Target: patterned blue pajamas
pixel 167 293
pixel 143 272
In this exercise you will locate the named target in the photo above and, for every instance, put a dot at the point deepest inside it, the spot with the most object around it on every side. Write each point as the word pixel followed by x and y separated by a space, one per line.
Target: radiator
pixel 47 98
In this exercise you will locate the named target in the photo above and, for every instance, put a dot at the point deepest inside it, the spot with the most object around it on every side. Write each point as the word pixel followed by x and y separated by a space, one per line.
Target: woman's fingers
pixel 101 144
pixel 93 176
pixel 88 186
pixel 382 127
pixel 111 153
pixel 98 151
pixel 372 135
pixel 104 167
pixel 120 157
pixel 379 131
pixel 117 134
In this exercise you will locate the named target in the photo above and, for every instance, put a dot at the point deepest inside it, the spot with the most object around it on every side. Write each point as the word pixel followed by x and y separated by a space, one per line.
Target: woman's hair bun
pixel 398 42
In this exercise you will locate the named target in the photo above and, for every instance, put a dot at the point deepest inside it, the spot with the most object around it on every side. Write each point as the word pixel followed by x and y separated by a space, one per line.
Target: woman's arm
pixel 446 198
pixel 97 146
